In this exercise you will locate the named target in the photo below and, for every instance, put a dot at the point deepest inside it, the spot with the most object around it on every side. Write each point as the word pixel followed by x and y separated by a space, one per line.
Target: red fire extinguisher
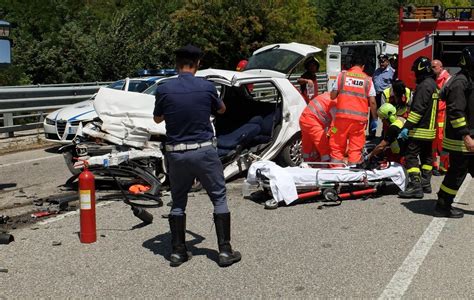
pixel 88 232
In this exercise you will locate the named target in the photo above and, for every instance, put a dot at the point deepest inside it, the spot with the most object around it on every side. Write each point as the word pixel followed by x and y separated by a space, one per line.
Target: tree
pixel 362 20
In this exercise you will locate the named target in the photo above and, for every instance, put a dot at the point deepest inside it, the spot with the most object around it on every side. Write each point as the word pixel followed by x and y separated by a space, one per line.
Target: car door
pixel 280 60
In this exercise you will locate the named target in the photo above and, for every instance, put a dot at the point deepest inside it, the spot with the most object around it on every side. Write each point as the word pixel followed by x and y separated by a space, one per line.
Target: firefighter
pixel 399 96
pixel 442 76
pixel 419 130
pixel 458 140
pixel 355 92
pixel 388 114
pixel 314 123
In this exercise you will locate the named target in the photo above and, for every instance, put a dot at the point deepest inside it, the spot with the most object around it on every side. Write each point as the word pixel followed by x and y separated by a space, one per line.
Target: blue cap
pixel 189 51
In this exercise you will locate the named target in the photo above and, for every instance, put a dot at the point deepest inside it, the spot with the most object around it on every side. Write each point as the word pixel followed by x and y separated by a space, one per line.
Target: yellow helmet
pixel 387 112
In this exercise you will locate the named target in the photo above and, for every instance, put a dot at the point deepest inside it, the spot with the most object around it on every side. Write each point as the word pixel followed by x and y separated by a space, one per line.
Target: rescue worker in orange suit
pixel 355 92
pixel 458 135
pixel 388 114
pixel 442 76
pixel 314 123
pixel 308 80
pixel 419 130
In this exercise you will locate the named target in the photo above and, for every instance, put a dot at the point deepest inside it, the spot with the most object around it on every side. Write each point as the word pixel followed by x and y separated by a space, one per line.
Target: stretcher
pixel 296 183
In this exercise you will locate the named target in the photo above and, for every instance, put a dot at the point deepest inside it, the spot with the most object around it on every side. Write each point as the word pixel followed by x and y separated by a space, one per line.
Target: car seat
pixel 268 124
pixel 240 137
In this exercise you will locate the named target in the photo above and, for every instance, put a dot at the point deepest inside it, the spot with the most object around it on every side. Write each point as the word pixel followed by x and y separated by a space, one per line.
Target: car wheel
pixel 291 156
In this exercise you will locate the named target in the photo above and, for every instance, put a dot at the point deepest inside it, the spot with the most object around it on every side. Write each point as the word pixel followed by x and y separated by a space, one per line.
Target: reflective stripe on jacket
pixel 402 109
pixel 353 90
pixel 421 120
pixel 459 96
pixel 395 146
pixel 320 107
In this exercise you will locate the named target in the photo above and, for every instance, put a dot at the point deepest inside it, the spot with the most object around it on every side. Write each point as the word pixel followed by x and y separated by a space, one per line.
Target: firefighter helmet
pixel 387 112
pixel 422 67
pixel 467 60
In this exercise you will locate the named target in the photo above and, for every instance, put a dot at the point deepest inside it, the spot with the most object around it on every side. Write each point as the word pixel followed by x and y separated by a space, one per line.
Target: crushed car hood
pixel 127 115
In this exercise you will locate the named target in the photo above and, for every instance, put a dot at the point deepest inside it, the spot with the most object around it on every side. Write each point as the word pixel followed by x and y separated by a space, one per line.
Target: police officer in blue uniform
pixel 185 103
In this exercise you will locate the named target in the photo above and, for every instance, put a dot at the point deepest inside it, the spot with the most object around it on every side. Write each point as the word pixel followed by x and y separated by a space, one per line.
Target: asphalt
pixel 360 249
pixel 300 251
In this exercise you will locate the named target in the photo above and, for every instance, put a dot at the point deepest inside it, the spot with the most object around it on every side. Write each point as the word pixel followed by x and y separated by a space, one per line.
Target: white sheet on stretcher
pixel 283 181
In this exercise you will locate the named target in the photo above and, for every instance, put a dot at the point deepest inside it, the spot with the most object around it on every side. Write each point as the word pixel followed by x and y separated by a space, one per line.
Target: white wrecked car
pixel 261 120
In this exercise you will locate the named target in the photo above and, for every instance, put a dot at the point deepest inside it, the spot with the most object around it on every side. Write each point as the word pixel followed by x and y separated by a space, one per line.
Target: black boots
pixel 426 181
pixel 444 209
pixel 179 253
pixel 226 255
pixel 414 188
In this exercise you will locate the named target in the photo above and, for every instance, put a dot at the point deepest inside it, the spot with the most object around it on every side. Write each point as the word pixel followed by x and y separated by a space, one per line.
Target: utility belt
pixel 187 147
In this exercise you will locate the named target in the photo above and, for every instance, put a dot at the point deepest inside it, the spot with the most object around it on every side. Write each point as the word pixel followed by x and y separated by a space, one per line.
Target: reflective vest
pixel 395 146
pixel 353 90
pixel 402 109
pixel 320 107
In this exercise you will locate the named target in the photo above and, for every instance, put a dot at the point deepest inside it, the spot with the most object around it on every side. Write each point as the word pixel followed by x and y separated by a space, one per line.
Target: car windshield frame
pixel 275 59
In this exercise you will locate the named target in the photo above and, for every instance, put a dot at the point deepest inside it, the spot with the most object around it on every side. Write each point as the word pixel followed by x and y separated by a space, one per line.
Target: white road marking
pixel 402 279
pixel 71 213
pixel 28 161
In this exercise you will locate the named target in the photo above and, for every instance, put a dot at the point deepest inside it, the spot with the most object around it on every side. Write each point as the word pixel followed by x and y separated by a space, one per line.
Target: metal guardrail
pixel 24 107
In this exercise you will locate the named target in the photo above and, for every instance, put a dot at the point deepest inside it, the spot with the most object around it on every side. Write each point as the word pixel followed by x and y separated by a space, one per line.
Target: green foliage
pixel 57 41
pixel 362 20
pixel 229 31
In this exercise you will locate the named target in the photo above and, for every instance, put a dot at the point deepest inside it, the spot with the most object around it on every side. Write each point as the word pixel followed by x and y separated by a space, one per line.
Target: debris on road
pixel 41 214
pixel 6 238
pixel 4 219
pixel 56 243
pixel 3 270
pixel 62 200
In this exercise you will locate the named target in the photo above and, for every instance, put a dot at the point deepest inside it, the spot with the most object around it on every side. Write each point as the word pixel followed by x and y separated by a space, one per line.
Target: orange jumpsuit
pixel 441 116
pixel 348 132
pixel 314 122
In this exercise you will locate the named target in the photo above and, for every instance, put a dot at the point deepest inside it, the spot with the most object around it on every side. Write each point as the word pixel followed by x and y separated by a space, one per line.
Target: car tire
pixel 291 156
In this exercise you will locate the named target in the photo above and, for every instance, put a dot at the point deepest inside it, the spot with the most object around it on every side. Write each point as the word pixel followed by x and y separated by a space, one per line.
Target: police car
pixel 62 125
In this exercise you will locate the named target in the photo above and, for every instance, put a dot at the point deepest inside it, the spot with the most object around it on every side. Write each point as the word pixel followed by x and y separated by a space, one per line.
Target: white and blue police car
pixel 61 125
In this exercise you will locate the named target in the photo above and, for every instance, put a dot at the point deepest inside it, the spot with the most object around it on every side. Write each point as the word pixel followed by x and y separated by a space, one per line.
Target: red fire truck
pixel 433 32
